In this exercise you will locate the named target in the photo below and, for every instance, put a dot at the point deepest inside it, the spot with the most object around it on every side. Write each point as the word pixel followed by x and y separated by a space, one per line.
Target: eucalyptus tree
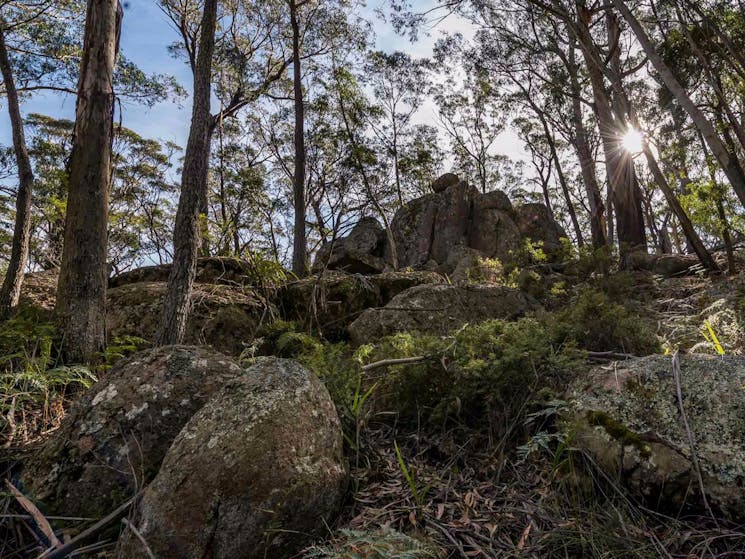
pixel 186 234
pixel 399 84
pixel 40 51
pixel 81 289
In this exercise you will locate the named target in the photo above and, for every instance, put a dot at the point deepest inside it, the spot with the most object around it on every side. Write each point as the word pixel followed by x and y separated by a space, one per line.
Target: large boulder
pixel 627 418
pixel 438 310
pixel 413 229
pixel 214 269
pixel 453 221
pixel 535 223
pixel 223 316
pixel 116 435
pixel 434 232
pixel 329 302
pixel 258 472
pixel 361 252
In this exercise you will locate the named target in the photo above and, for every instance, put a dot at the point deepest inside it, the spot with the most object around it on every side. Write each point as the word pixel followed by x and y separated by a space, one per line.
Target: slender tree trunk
pixel 685 223
pixel 81 290
pixel 176 304
pixel 620 170
pixel 586 161
pixel 300 241
pixel 11 288
pixel 727 160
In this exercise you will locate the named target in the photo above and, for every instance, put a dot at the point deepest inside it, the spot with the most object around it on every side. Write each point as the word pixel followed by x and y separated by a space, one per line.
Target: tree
pixel 11 287
pixel 300 265
pixel 81 291
pixel 186 233
pixel 724 156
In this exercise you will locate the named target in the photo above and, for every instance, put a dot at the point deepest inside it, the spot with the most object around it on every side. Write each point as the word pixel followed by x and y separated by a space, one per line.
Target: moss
pixel 292 344
pixel 618 431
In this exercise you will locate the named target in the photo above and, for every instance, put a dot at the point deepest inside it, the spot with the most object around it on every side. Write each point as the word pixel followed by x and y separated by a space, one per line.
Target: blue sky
pixel 146 35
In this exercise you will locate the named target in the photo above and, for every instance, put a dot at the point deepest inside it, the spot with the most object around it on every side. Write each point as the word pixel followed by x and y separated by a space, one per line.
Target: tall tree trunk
pixel 586 160
pixel 186 235
pixel 727 160
pixel 81 290
pixel 300 241
pixel 622 179
pixel 11 288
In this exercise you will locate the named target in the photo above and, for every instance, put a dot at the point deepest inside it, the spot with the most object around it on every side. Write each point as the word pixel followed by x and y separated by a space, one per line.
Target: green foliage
pixel 292 344
pixel 594 321
pixel 419 494
pixel 120 347
pixel 484 374
pixel 31 383
pixel 382 544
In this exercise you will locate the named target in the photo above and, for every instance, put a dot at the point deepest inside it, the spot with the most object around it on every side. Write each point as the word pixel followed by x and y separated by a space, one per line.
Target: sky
pixel 146 35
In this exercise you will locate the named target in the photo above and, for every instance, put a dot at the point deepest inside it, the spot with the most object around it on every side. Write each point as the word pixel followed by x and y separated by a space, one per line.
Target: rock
pixel 452 221
pixel 472 266
pixel 494 232
pixel 328 303
pixel 258 472
pixel 391 284
pixel 39 290
pixel 671 265
pixel 627 419
pixel 444 182
pixel 225 317
pixel 115 437
pixel 360 252
pixel 413 229
pixel 222 270
pixel 438 310
pixel 536 224
pixel 432 231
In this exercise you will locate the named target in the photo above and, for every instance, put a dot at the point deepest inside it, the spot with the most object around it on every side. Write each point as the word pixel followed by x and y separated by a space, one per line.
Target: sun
pixel 633 141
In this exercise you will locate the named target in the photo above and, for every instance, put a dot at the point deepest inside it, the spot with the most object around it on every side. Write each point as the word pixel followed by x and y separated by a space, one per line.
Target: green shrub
pixel 595 322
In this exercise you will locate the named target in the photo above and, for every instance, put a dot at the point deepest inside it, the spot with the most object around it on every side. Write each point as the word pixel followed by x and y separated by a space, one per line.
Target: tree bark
pixel 300 241
pixel 586 161
pixel 620 170
pixel 11 289
pixel 81 289
pixel 727 160
pixel 186 235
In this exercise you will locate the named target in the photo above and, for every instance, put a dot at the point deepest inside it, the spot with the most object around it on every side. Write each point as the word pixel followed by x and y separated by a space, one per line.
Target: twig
pixel 139 536
pixel 609 356
pixel 39 518
pixel 391 362
pixel 78 540
pixel 689 434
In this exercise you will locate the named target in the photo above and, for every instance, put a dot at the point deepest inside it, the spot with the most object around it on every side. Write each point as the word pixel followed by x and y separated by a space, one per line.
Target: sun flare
pixel 633 141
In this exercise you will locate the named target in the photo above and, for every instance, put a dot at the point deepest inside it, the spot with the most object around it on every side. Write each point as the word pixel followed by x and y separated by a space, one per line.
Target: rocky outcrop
pixel 214 269
pixel 116 435
pixel 438 310
pixel 258 472
pixel 436 231
pixel 223 316
pixel 361 252
pixel 330 302
pixel 627 419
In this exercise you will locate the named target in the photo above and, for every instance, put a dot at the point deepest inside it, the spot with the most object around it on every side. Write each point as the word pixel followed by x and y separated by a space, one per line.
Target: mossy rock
pixel 258 472
pixel 627 418
pixel 438 310
pixel 114 438
pixel 222 316
pixel 328 303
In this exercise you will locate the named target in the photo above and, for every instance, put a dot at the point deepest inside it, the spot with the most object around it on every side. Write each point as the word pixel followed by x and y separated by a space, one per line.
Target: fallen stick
pixel 98 527
pixel 392 362
pixel 39 518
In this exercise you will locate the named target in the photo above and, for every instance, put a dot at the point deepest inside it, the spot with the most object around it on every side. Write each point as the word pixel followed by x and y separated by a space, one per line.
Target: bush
pixel 595 322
